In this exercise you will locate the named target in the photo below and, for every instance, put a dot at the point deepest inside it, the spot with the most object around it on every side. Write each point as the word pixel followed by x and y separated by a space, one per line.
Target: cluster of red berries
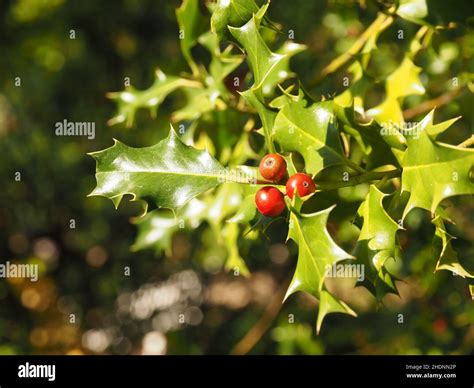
pixel 269 200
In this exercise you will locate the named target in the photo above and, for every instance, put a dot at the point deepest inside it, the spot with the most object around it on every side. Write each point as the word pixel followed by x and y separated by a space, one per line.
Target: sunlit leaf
pixel 191 24
pixel 329 304
pixel 448 258
pixel 281 71
pixel 376 244
pixel 197 102
pixel 404 81
pixel 268 68
pixel 131 99
pixel 413 10
pixel 317 252
pixel 168 174
pixel 231 13
pixel 311 130
pixel 354 95
pixel 433 171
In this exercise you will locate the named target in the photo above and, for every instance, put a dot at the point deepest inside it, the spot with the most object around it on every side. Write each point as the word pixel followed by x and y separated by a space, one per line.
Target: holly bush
pixel 240 100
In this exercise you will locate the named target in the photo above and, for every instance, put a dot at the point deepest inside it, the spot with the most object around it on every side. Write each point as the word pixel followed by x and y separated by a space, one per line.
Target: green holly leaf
pixel 281 71
pixel 268 68
pixel 448 258
pixel 156 230
pixel 376 244
pixel 231 13
pixel 131 99
pixel 433 171
pixel 311 130
pixel 191 24
pixel 168 174
pixel 317 252
pixel 329 304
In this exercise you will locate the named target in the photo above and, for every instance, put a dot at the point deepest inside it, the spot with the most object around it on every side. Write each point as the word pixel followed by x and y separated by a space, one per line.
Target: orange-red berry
pixel 273 167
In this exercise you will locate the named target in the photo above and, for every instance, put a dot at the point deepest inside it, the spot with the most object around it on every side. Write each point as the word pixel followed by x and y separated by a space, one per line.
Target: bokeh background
pixel 82 268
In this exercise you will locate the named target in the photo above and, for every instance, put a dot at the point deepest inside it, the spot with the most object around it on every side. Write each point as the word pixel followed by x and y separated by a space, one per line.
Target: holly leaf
pixel 317 252
pixel 156 230
pixel 191 24
pixel 268 68
pixel 311 130
pixel 413 10
pixel 376 244
pixel 131 99
pixel 328 304
pixel 231 13
pixel 281 71
pixel 168 174
pixel 433 171
pixel 448 258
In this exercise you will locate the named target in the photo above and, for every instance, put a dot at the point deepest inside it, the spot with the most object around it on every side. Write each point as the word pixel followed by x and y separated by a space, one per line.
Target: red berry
pixel 270 201
pixel 273 167
pixel 440 326
pixel 302 183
